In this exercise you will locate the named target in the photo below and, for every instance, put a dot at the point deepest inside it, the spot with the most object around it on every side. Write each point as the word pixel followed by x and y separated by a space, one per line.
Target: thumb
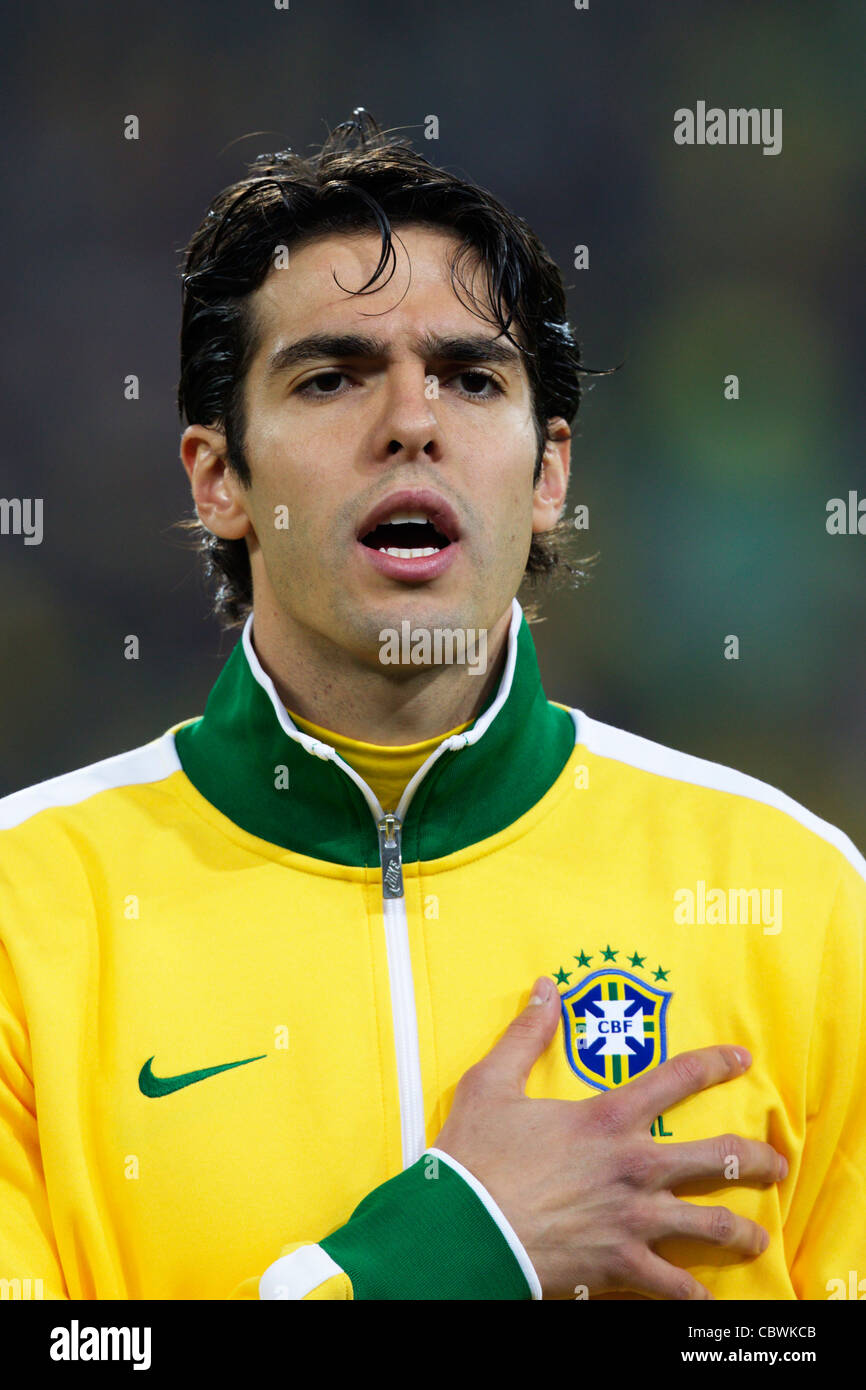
pixel 511 1060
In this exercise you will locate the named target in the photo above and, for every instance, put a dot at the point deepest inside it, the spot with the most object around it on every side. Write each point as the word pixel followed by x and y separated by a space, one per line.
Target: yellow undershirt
pixel 385 768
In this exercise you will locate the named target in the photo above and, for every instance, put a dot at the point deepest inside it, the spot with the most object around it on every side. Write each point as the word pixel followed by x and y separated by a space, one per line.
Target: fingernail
pixel 765 1240
pixel 783 1167
pixel 744 1056
pixel 540 991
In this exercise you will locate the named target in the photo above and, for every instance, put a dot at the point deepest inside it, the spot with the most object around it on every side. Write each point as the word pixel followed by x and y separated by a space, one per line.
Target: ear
pixel 217 492
pixel 549 496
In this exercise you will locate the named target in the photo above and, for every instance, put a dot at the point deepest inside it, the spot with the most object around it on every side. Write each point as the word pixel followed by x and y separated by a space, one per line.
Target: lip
pixel 434 507
pixel 424 567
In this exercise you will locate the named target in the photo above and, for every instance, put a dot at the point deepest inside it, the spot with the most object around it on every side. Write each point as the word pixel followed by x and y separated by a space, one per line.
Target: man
pixel 268 1029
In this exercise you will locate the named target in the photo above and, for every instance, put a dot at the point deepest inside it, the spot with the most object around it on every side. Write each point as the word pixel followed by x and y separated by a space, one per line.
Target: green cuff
pixel 425 1234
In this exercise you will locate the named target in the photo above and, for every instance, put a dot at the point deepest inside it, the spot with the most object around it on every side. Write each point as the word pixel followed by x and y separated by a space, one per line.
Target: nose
pixel 409 423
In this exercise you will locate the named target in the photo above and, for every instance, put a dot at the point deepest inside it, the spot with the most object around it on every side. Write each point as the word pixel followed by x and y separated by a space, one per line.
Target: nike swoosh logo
pixel 151 1085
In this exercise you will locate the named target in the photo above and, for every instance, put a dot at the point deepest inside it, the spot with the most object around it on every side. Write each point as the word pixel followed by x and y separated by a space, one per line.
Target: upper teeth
pixel 406 516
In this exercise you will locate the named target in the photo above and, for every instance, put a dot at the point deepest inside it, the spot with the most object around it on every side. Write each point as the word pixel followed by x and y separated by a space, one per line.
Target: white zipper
pixel 409 1086
pixel 389 827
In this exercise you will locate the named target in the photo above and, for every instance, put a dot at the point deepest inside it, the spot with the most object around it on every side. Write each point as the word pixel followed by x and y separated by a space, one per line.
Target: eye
pixel 485 384
pixel 485 378
pixel 321 376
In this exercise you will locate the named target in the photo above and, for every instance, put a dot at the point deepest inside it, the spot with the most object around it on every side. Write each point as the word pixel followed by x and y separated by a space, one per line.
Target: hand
pixel 584 1185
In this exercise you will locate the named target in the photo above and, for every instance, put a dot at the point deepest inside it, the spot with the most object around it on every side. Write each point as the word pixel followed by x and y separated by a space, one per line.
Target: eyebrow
pixel 471 348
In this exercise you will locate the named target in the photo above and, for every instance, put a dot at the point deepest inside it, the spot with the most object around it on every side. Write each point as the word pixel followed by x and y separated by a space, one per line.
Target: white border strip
pixel 482 724
pixel 499 1217
pixel 294 1276
pixel 608 742
pixel 262 678
pixel 313 745
pixel 328 753
pixel 152 762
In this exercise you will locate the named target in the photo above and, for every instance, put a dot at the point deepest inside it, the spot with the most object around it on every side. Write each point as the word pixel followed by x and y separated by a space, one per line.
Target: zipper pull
pixel 390 854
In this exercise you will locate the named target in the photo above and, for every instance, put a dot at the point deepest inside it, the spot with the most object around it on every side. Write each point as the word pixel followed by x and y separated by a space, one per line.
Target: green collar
pixel 249 760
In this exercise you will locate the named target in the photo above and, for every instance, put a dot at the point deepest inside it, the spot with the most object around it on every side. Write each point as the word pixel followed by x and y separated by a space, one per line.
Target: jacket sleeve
pixel 826 1226
pixel 431 1232
pixel 29 1262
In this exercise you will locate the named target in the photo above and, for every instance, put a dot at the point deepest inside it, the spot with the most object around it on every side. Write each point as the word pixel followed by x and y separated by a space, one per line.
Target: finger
pixel 711 1225
pixel 641 1100
pixel 728 1157
pixel 511 1059
pixel 652 1275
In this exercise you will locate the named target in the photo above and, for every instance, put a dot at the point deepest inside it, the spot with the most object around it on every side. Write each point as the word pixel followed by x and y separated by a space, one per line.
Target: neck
pixel 333 688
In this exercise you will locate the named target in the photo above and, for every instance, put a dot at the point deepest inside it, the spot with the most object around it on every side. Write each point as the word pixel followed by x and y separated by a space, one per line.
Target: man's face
pixel 332 438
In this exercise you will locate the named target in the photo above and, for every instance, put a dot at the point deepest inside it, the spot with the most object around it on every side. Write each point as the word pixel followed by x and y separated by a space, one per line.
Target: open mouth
pixel 406 536
pixel 411 537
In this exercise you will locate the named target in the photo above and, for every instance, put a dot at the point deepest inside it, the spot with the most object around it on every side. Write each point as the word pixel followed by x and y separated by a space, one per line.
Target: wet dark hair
pixel 361 179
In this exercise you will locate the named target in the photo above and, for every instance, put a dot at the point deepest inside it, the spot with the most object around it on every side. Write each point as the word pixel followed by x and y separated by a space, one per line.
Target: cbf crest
pixel 615 1022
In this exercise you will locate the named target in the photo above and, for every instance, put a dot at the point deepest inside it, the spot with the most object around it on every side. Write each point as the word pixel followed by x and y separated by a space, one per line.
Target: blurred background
pixel 709 514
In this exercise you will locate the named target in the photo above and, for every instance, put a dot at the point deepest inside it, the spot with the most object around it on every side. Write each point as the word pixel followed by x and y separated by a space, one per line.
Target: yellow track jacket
pixel 236 997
